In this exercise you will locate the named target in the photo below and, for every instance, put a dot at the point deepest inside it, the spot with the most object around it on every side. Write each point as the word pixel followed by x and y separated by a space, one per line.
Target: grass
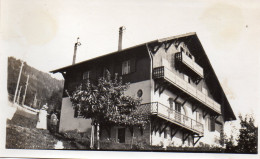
pixel 21 133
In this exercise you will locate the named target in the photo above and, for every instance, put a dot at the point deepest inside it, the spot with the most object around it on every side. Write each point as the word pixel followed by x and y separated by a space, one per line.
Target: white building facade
pixel 177 85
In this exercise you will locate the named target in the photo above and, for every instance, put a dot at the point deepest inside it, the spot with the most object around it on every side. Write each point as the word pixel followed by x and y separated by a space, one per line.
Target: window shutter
pixel 212 124
pixel 132 65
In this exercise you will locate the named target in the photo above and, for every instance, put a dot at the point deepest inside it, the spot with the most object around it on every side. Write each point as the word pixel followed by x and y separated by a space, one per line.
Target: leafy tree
pixel 230 144
pixel 106 103
pixel 247 139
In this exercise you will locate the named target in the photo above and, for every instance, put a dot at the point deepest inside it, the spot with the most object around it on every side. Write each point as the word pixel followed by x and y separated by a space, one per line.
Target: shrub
pixel 78 137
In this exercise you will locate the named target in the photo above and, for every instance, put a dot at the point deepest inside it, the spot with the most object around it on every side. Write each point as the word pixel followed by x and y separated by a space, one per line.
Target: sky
pixel 43 34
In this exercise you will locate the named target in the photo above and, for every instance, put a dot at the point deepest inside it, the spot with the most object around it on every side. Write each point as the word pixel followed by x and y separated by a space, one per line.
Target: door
pixel 121 135
pixel 178 111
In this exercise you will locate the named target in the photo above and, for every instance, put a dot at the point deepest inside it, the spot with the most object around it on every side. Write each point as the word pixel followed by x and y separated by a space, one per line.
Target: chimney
pixel 121 29
pixel 75 50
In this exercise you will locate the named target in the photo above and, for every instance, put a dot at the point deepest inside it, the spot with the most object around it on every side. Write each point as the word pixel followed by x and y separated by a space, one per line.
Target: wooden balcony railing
pixel 173 116
pixel 163 72
pixel 182 57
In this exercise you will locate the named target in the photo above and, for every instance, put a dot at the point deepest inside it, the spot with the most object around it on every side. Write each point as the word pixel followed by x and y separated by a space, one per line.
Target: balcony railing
pixel 173 116
pixel 162 72
pixel 190 63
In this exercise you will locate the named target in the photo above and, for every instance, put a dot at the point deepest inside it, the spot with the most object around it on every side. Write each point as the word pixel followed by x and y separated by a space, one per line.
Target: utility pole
pixel 18 81
pixel 25 90
pixel 75 50
pixel 121 29
pixel 18 98
pixel 35 100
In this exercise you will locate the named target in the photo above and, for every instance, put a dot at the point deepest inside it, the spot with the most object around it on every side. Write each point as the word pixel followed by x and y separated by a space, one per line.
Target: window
pixel 171 103
pixel 187 78
pixel 86 75
pixel 198 117
pixel 77 112
pixel 128 66
pixel 121 135
pixel 204 91
pixel 212 124
pixel 178 109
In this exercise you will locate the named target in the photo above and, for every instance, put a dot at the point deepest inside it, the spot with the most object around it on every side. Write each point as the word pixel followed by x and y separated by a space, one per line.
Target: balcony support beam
pixel 163 127
pixel 173 133
pixel 184 102
pixel 184 138
pixel 155 48
pixel 64 74
pixel 153 121
pixel 157 127
pixel 198 81
pixel 161 86
pixel 167 45
pixel 204 114
pixel 215 117
pixel 195 142
pixel 194 108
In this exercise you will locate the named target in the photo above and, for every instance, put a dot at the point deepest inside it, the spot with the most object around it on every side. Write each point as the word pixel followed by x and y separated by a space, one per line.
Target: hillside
pixel 47 89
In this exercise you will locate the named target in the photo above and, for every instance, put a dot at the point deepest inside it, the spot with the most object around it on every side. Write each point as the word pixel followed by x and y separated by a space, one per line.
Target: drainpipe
pixel 152 84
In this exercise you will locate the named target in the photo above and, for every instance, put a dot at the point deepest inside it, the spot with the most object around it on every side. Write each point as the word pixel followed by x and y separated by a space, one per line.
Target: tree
pixel 247 139
pixel 106 103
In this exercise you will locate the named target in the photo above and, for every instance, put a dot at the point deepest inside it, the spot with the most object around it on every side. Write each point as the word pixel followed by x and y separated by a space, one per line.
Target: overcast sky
pixel 43 34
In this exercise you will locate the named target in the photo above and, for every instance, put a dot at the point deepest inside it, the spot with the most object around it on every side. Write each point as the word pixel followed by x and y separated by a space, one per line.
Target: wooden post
pixel 25 90
pixel 92 136
pixel 18 81
pixel 98 143
pixel 35 101
pixel 18 97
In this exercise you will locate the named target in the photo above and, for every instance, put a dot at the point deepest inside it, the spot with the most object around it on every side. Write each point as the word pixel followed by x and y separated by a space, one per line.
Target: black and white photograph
pixel 131 77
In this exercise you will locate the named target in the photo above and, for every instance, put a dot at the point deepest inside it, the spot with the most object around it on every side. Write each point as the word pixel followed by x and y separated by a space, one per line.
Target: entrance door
pixel 121 135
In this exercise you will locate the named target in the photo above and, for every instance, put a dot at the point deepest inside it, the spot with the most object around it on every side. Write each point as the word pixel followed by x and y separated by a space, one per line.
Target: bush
pixel 81 139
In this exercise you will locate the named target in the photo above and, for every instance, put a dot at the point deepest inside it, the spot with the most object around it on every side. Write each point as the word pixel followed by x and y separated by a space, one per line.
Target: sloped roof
pixel 228 112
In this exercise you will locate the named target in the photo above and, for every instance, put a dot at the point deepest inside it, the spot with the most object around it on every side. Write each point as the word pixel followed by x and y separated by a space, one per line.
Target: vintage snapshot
pixel 153 76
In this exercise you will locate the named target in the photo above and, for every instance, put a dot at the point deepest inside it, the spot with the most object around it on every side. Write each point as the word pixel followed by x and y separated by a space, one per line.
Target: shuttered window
pixel 212 124
pixel 128 66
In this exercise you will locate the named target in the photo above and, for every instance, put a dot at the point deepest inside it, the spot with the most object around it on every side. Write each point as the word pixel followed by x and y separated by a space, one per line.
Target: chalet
pixel 176 82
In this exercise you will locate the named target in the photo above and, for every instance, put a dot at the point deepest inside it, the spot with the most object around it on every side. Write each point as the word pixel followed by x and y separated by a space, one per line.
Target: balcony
pixel 172 116
pixel 188 62
pixel 169 76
